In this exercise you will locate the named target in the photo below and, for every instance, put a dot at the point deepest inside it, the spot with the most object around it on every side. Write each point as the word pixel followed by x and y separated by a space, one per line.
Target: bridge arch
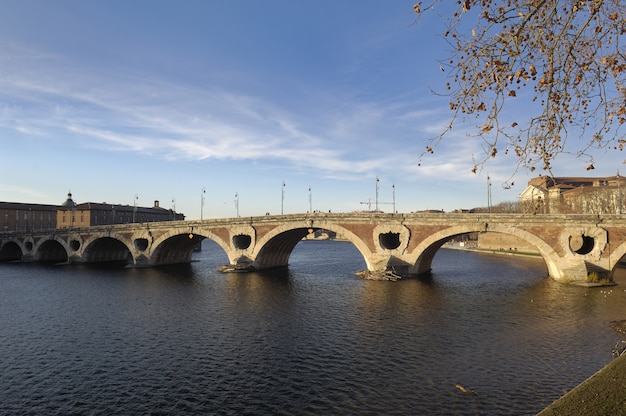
pixel 424 253
pixel 176 249
pixel 11 251
pixel 52 251
pixel 107 250
pixel 177 246
pixel 275 247
pixel 615 257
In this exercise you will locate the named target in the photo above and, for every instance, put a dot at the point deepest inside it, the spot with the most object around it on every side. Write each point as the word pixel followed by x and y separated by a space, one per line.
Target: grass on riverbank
pixel 604 393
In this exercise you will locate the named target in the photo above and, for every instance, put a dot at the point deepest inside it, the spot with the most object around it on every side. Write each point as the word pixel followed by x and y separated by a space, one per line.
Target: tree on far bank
pixel 565 60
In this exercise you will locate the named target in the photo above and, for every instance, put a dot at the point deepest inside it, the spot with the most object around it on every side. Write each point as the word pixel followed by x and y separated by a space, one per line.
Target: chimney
pixel 156 204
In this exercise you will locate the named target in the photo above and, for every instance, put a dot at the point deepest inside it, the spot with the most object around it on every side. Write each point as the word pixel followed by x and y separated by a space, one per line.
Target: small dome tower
pixel 69 202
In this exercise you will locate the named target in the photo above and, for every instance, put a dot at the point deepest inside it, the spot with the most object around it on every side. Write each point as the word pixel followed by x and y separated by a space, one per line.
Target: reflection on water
pixel 310 339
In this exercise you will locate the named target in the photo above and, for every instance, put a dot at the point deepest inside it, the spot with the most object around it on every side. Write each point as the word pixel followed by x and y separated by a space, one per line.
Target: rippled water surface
pixel 313 339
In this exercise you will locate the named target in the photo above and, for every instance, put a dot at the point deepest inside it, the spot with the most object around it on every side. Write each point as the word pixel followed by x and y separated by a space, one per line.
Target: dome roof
pixel 69 202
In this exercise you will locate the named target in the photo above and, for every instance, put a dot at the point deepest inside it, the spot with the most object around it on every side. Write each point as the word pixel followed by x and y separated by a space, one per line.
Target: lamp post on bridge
pixel 489 193
pixel 237 203
pixel 377 202
pixel 619 195
pixel 282 199
pixel 310 201
pixel 377 180
pixel 202 203
pixel 135 206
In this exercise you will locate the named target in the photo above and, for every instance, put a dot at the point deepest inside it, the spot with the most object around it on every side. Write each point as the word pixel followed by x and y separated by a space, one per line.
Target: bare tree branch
pixel 564 59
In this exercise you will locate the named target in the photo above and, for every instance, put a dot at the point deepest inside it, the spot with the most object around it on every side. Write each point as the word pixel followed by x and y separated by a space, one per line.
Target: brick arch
pixel 103 249
pixel 87 243
pixel 11 251
pixel 275 247
pixel 423 254
pixel 181 246
pixel 615 256
pixel 43 253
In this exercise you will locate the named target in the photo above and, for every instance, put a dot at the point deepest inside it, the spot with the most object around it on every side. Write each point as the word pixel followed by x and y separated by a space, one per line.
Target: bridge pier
pixel 581 272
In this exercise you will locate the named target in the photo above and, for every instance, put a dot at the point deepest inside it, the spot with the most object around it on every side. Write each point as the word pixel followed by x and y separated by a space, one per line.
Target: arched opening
pixel 177 249
pixel 52 251
pixel 75 245
pixel 10 252
pixel 325 258
pixel 276 252
pixel 107 250
pixel 316 250
pixel 491 242
pixel 211 255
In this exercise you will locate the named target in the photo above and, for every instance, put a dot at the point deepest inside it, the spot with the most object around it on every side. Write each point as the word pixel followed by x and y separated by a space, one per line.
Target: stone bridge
pixel 576 248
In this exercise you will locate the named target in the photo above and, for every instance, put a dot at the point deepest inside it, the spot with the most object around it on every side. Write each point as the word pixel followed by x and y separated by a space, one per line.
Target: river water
pixel 310 340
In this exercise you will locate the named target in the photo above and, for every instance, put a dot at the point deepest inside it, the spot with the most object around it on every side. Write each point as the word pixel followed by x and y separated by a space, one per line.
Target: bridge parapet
pixel 576 248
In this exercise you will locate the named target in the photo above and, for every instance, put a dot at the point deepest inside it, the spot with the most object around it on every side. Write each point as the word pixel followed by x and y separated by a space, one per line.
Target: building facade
pixel 16 216
pixel 574 195
pixel 70 214
pixel 20 217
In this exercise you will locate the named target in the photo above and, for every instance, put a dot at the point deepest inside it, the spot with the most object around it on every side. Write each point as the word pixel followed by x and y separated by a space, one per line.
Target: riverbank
pixel 604 393
pixel 474 247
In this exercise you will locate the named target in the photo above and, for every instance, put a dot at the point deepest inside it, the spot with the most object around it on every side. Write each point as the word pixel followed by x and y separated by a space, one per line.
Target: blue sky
pixel 162 99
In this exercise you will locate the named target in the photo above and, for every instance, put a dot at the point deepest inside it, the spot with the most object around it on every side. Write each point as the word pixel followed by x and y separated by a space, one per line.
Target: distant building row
pixel 15 216
pixel 574 195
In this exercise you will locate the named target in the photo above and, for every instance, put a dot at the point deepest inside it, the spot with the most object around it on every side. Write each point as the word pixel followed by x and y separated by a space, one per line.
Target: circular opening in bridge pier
pixel 74 245
pixel 141 244
pixel 28 245
pixel 389 241
pixel 581 244
pixel 242 241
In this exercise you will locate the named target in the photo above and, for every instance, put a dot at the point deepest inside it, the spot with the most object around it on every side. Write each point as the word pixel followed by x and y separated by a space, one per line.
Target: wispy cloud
pixel 26 193
pixel 164 120
pixel 122 112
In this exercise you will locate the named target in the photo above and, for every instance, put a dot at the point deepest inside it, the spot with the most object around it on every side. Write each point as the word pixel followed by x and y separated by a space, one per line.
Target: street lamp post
pixel 619 195
pixel 135 206
pixel 489 193
pixel 310 200
pixel 393 194
pixel 282 200
pixel 202 203
pixel 237 203
pixel 377 180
